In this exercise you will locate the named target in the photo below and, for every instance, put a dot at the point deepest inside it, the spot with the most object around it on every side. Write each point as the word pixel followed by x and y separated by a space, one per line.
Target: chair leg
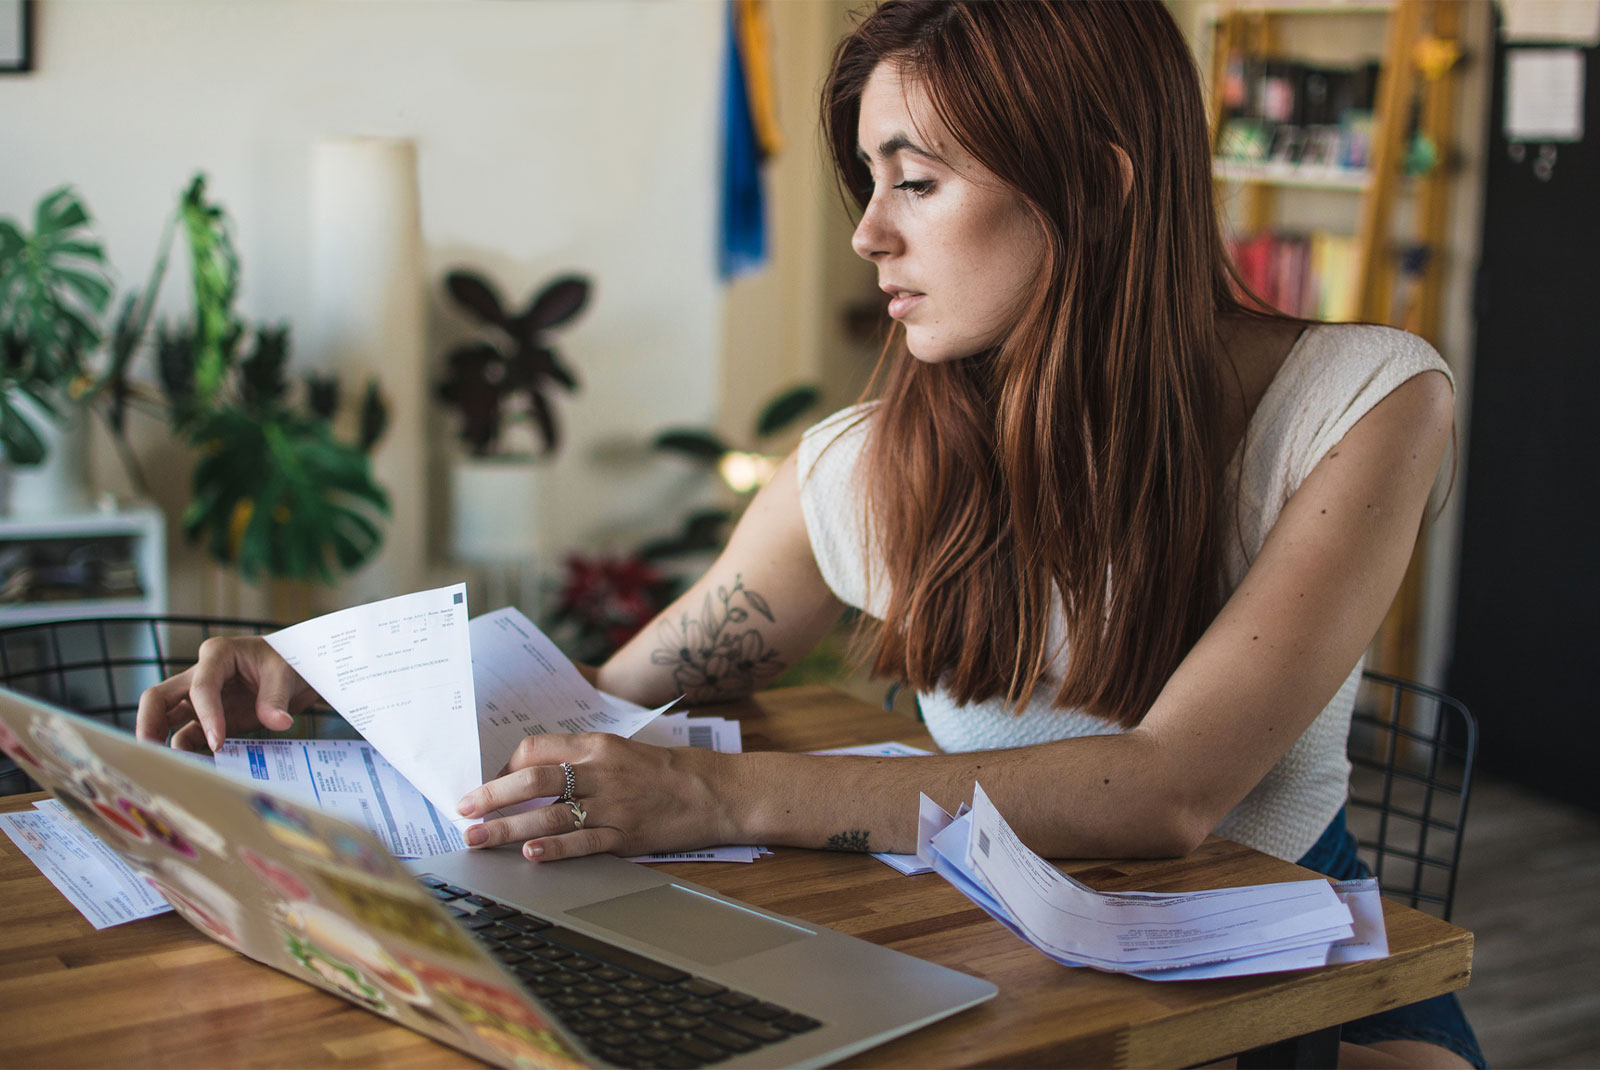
pixel 1319 1049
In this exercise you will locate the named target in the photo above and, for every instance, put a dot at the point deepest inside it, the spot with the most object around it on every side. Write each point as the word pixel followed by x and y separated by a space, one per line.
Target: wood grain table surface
pixel 157 993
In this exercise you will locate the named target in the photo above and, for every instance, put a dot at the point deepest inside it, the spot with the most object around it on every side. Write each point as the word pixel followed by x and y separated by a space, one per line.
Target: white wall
pixel 557 135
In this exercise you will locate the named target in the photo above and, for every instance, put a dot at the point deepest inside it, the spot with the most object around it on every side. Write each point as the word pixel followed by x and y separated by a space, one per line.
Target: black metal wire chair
pixel 1412 749
pixel 98 667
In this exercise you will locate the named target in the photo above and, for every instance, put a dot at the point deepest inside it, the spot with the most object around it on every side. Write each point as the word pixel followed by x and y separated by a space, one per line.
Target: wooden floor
pixel 1529 889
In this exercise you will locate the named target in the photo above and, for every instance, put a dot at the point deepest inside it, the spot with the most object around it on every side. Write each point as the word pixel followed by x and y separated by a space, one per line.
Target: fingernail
pixel 476 835
pixel 213 741
pixel 532 851
pixel 465 807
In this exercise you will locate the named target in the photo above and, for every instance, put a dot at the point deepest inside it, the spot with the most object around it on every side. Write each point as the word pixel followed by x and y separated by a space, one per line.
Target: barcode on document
pixel 668 856
pixel 700 736
pixel 983 843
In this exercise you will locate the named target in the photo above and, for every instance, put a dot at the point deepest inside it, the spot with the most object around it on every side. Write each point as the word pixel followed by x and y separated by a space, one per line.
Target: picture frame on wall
pixel 16 36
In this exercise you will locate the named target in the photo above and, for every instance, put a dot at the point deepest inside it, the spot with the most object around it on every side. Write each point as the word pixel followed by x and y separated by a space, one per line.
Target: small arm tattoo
pixel 850 840
pixel 719 655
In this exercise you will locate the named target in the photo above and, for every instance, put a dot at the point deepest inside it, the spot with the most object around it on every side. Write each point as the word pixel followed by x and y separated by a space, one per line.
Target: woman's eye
pixel 917 188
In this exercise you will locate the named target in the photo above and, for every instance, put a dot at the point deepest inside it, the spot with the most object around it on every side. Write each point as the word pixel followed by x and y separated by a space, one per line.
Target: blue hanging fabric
pixel 743 245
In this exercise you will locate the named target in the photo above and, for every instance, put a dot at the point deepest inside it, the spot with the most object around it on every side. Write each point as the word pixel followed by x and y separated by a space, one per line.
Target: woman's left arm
pixel 1259 675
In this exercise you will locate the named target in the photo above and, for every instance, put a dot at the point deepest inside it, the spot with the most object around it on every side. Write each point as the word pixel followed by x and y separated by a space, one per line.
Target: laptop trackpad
pixel 689 924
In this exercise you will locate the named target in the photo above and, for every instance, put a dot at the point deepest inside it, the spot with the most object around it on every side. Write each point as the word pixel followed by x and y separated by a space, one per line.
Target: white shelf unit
pixel 144 526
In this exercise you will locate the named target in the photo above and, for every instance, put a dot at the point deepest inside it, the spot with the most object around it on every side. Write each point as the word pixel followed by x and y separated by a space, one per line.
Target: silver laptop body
pixel 321 900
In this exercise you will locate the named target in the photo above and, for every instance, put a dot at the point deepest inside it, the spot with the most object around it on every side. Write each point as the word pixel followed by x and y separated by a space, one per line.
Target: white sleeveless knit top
pixel 1332 377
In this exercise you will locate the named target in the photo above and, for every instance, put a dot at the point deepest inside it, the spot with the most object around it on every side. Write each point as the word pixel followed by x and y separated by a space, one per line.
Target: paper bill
pixel 347 777
pixel 91 876
pixel 400 671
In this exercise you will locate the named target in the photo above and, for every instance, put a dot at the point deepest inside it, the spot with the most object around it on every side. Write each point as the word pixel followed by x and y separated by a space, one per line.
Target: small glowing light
pixel 745 472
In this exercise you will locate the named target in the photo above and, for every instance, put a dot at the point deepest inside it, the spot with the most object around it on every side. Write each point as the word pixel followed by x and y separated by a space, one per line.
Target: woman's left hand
pixel 635 798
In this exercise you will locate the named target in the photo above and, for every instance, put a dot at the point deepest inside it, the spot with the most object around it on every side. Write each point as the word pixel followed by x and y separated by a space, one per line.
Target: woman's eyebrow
pixel 898 143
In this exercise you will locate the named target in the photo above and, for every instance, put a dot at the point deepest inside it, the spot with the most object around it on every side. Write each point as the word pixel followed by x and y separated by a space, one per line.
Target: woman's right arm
pixel 760 607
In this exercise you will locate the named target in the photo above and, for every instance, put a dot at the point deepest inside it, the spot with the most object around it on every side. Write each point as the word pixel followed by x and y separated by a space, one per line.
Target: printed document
pixel 1162 936
pixel 92 877
pixel 400 671
pixel 349 778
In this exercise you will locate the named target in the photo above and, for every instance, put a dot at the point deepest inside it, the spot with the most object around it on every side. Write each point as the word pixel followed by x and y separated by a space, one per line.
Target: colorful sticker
pixel 342 937
pixel 413 919
pixel 191 827
pixel 202 916
pixel 362 855
pixel 498 1016
pixel 158 828
pixel 13 746
pixel 120 821
pixel 289 825
pixel 339 976
pixel 87 814
pixel 60 745
pixel 284 880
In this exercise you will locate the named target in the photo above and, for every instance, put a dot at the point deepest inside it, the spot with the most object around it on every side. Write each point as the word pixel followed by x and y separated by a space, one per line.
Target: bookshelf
pixel 1380 134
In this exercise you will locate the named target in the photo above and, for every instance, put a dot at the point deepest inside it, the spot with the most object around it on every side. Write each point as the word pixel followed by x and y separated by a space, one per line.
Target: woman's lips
pixel 903 303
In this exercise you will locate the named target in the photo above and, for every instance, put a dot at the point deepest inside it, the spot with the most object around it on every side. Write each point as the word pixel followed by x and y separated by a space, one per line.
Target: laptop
pixel 584 962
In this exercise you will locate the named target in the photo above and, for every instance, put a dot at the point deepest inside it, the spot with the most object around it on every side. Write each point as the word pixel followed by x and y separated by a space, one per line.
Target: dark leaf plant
pixel 507 370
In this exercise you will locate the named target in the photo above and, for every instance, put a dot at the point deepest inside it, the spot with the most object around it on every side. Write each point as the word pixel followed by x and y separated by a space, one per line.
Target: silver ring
pixel 571 789
pixel 579 815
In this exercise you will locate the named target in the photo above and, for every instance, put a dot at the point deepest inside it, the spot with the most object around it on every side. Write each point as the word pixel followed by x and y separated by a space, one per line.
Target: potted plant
pixel 275 493
pixel 498 382
pixel 55 286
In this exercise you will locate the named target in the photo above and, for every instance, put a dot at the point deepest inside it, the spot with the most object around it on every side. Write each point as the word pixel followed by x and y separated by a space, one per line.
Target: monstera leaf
pixel 54 288
pixel 281 497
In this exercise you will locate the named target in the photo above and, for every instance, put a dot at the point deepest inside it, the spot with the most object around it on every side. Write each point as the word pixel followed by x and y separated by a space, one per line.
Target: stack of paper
pixel 1226 932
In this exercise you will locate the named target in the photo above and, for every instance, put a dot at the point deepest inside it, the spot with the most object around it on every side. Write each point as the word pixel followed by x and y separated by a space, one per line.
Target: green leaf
pixel 11 243
pixel 96 292
pixel 22 444
pixel 784 409
pixel 699 445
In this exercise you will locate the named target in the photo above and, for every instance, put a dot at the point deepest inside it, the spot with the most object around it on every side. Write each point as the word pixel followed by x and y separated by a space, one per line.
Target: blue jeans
pixel 1439 1020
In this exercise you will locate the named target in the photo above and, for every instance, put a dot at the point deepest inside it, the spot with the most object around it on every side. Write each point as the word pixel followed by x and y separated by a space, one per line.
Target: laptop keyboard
pixel 630 1010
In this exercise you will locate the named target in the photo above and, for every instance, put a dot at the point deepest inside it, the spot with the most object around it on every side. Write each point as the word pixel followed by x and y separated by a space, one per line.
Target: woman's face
pixel 955 249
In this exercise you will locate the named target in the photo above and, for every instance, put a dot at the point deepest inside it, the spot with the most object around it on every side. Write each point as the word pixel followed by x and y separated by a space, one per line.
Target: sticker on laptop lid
pixel 498 1016
pixel 60 746
pixel 410 916
pixel 343 939
pixel 280 878
pixel 289 825
pixel 12 745
pixel 201 902
pixel 336 974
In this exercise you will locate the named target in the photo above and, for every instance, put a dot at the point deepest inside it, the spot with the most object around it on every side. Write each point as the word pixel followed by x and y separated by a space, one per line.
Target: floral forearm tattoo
pixel 719 655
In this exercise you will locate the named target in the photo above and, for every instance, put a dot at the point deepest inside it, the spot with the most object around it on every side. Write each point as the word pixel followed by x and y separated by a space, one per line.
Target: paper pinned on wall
pixel 1544 94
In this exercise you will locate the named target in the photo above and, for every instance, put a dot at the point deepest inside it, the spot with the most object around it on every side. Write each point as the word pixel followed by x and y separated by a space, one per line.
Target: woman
pixel 1126 537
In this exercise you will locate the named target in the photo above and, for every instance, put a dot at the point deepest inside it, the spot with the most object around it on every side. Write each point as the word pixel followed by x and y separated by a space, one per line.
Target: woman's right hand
pixel 238 684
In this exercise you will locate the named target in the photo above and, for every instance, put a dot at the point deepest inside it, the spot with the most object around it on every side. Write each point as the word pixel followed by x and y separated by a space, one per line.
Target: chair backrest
pixel 99 667
pixel 1412 750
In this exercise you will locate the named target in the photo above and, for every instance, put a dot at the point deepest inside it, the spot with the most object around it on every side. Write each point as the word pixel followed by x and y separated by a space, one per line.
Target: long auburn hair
pixel 1084 453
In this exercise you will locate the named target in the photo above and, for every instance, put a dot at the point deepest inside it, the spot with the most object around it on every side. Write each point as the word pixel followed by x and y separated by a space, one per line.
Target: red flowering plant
pixel 605 599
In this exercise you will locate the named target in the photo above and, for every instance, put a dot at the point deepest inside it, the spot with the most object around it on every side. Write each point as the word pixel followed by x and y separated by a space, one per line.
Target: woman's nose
pixel 874 237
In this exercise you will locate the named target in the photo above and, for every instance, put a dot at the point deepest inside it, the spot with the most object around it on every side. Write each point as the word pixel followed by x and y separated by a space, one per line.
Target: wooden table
pixel 156 993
